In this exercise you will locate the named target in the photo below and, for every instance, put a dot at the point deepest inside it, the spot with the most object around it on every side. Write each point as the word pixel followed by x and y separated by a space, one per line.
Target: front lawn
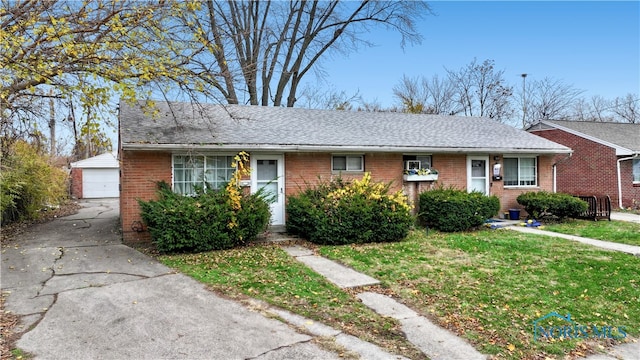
pixel 615 231
pixel 490 286
pixel 268 273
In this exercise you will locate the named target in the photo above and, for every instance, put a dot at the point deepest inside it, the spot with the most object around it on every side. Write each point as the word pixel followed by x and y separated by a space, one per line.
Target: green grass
pixel 266 272
pixel 489 286
pixel 615 231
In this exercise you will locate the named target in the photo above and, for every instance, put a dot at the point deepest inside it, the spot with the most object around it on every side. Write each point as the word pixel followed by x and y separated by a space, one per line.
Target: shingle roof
pixel 178 125
pixel 625 135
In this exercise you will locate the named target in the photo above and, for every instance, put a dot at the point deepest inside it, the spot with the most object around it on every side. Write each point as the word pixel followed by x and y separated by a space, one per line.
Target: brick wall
pixel 591 170
pixel 309 169
pixel 508 195
pixel 76 183
pixel 139 172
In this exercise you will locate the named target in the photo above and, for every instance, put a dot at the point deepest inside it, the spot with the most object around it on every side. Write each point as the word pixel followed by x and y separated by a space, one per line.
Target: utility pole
pixel 88 144
pixel 524 100
pixel 52 125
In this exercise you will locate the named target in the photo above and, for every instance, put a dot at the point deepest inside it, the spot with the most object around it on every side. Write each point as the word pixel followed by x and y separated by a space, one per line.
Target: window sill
pixel 636 184
pixel 338 172
pixel 515 187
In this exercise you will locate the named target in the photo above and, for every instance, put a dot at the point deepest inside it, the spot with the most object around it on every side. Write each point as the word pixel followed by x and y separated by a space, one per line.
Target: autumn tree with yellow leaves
pixel 84 54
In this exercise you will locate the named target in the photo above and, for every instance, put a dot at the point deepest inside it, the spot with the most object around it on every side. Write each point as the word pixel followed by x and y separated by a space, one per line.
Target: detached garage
pixel 96 177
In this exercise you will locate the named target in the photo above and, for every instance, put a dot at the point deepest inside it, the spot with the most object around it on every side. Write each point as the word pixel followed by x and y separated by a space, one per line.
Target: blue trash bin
pixel 514 214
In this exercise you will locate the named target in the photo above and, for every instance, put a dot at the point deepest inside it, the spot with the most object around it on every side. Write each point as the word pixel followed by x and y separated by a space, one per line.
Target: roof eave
pixel 341 148
pixel 620 150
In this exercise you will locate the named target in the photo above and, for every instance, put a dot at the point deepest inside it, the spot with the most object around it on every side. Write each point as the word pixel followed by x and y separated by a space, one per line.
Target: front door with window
pixel 478 174
pixel 268 173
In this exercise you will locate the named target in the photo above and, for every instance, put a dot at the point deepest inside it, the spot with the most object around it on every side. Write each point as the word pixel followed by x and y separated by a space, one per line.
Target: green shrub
pixel 456 210
pixel 342 213
pixel 28 183
pixel 206 221
pixel 540 204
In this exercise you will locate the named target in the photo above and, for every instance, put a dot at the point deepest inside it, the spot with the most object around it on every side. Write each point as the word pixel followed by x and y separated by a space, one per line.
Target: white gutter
pixel 555 178
pixel 337 148
pixel 620 179
pixel 555 171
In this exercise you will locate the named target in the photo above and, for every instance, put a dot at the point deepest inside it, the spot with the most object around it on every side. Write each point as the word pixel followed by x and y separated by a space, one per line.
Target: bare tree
pixel 550 99
pixel 596 108
pixel 441 94
pixel 482 91
pixel 627 108
pixel 318 98
pixel 427 95
pixel 412 96
pixel 264 49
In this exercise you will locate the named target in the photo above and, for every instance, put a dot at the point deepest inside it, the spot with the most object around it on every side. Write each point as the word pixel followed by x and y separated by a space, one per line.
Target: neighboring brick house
pixel 605 159
pixel 292 148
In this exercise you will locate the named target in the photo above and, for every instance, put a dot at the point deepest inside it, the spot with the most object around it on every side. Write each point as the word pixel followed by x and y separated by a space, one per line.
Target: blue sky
pixel 593 46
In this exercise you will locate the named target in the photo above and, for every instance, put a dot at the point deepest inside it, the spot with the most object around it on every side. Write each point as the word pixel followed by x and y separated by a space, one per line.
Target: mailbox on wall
pixel 496 172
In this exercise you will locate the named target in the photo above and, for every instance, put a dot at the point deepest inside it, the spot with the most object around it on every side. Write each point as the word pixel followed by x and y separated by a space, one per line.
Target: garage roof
pixel 104 161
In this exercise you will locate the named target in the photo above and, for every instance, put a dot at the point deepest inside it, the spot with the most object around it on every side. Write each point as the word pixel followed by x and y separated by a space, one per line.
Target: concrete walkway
pixel 435 342
pixel 338 274
pixel 624 216
pixel 630 249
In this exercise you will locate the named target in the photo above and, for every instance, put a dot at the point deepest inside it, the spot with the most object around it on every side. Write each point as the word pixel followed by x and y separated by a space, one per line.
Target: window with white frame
pixel 347 163
pixel 424 161
pixel 636 171
pixel 520 171
pixel 209 172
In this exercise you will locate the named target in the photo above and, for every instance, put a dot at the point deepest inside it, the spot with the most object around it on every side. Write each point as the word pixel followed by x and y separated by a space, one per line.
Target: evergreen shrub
pixel 203 222
pixel 340 212
pixel 541 204
pixel 450 210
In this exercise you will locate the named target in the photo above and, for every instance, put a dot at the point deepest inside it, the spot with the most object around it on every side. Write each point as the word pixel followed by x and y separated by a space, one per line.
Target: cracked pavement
pixel 80 293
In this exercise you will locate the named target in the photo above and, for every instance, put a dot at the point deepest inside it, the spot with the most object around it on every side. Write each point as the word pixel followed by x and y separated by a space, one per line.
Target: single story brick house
pixel 291 148
pixel 605 161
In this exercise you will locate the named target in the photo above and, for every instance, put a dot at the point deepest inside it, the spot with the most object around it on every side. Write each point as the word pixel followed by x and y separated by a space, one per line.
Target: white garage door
pixel 99 183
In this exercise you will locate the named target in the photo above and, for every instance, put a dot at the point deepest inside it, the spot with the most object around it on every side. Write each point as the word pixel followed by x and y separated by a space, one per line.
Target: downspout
pixel 555 171
pixel 620 179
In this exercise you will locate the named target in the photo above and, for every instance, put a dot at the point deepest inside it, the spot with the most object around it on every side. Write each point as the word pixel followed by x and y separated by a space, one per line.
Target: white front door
pixel 268 173
pixel 478 174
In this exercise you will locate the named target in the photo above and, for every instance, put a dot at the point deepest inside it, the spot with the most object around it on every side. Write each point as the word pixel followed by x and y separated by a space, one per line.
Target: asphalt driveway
pixel 81 294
